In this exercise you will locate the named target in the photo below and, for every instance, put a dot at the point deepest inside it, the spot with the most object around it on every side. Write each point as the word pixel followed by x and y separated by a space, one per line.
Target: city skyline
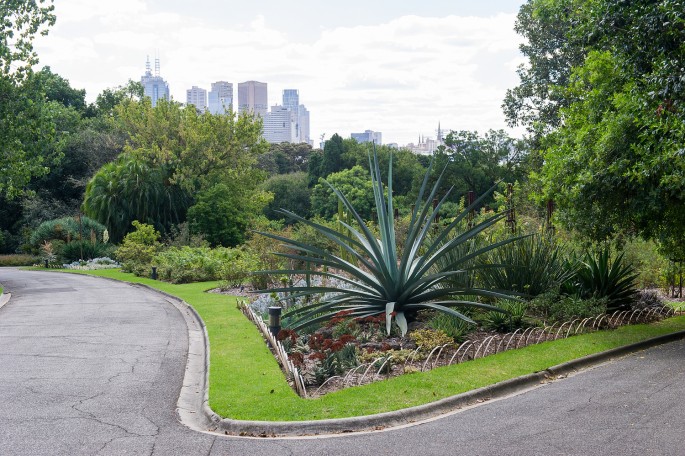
pixel 397 69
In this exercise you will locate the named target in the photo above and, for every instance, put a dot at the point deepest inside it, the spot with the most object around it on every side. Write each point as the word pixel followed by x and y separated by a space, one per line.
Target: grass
pixel 246 382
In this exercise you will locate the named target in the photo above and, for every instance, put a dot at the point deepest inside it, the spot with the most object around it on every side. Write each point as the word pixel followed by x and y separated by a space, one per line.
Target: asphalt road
pixel 94 367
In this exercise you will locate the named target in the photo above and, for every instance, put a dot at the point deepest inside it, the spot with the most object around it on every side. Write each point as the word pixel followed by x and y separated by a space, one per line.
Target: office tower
pixel 221 97
pixel 368 136
pixel 197 97
pixel 303 124
pixel 154 86
pixel 279 125
pixel 291 101
pixel 253 98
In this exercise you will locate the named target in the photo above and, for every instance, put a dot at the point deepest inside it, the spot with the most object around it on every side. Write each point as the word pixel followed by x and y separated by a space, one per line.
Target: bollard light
pixel 153 276
pixel 275 320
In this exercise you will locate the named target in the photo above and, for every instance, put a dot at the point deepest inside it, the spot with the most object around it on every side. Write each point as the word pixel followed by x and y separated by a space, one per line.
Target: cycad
pixel 382 280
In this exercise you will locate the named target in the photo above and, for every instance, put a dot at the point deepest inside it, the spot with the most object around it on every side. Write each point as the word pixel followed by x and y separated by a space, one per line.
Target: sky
pixel 399 67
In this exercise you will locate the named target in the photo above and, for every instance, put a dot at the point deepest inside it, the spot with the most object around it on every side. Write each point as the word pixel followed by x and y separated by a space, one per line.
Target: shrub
pixel 84 250
pixel 556 308
pixel 601 278
pixel 18 259
pixel 510 321
pixel 138 248
pixel 535 265
pixel 67 229
pixel 454 327
pixel 428 339
pixel 192 264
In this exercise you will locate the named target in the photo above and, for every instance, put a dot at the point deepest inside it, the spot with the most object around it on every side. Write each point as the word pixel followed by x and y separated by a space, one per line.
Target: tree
pixel 354 183
pixel 471 162
pixel 20 22
pixel 285 158
pixel 290 192
pixel 332 156
pixel 132 189
pixel 613 161
pixel 26 129
pixel 222 214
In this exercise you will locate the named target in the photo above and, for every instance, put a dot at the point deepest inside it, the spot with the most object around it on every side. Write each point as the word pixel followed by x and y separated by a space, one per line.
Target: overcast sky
pixel 398 67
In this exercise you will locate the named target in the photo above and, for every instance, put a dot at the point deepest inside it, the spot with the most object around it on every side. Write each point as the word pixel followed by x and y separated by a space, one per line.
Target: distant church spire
pixel 439 133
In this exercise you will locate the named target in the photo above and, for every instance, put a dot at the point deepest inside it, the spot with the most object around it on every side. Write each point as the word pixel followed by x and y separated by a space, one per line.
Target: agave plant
pixel 381 280
pixel 601 278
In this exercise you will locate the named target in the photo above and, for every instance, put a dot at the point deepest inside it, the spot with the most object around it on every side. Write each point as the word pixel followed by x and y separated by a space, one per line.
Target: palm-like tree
pixel 379 279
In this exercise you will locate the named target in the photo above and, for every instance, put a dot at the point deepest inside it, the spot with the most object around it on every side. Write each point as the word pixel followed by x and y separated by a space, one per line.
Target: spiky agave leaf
pixel 381 282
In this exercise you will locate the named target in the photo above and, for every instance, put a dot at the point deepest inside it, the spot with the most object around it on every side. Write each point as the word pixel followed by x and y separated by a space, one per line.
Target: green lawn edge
pixel 246 383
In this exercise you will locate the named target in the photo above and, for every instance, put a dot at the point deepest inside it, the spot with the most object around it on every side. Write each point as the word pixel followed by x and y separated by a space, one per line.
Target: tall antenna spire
pixel 156 66
pixel 148 72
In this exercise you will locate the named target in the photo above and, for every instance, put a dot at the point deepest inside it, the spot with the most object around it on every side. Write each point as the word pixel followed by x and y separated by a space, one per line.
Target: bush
pixel 67 229
pixel 601 278
pixel 454 327
pixel 193 264
pixel 556 308
pixel 138 249
pixel 84 250
pixel 534 265
pixel 510 321
pixel 18 259
pixel 428 339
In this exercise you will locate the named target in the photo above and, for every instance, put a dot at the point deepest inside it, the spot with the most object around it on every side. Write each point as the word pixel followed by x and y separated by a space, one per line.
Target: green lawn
pixel 246 382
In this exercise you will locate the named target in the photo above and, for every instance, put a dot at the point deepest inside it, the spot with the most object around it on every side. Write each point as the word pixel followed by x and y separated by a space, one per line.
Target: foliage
pixel 612 161
pixel 290 192
pixel 648 263
pixel 355 183
pixel 132 189
pixel 27 130
pixel 285 158
pixel 383 281
pixel 223 212
pixel 18 259
pixel 454 327
pixel 599 277
pixel 470 162
pixel 647 298
pixel 556 308
pixel 428 339
pixel 67 229
pixel 84 250
pixel 510 321
pixel 534 264
pixel 332 156
pixel 193 264
pixel 20 22
pixel 138 248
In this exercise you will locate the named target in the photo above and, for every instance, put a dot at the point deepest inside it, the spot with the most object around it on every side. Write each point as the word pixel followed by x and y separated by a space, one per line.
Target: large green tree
pixel 612 155
pixel 354 183
pixel 26 126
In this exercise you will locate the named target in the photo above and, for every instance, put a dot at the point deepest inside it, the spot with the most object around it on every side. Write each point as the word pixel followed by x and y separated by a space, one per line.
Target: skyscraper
pixel 253 98
pixel 303 124
pixel 279 125
pixel 154 86
pixel 197 97
pixel 291 101
pixel 221 97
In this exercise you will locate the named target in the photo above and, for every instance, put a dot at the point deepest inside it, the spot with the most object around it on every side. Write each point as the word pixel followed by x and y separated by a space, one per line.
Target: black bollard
pixel 153 276
pixel 275 320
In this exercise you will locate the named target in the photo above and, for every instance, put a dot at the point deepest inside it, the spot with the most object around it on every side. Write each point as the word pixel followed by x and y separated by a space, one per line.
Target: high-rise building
pixel 253 98
pixel 303 124
pixel 279 125
pixel 368 136
pixel 291 101
pixel 197 97
pixel 154 86
pixel 221 97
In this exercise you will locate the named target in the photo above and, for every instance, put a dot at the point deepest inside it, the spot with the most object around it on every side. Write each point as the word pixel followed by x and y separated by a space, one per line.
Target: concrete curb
pixel 194 412
pixel 4 299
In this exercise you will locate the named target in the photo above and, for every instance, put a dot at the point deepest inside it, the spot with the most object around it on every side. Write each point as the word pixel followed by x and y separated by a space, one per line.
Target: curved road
pixel 94 367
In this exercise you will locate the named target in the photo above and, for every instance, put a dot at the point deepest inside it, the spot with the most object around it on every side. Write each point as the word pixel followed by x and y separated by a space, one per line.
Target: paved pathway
pixel 94 367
